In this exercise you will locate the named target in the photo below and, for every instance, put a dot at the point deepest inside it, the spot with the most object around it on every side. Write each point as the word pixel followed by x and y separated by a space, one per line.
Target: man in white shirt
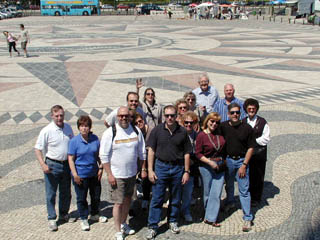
pixel 132 104
pixel 120 149
pixel 206 95
pixel 52 144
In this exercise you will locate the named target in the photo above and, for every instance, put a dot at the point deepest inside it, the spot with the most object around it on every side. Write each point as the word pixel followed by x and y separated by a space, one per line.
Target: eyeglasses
pixel 191 99
pixel 188 122
pixel 213 121
pixel 183 107
pixel 149 94
pixel 123 116
pixel 234 112
pixel 170 115
pixel 133 101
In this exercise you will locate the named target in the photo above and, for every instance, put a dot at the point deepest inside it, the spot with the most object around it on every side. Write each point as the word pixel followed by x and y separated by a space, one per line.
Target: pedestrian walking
pixel 11 40
pixel 25 39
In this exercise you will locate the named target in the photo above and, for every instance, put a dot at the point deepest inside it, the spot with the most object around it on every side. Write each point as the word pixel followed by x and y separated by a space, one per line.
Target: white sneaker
pixel 174 227
pixel 52 224
pixel 127 230
pixel 84 225
pixel 97 218
pixel 119 236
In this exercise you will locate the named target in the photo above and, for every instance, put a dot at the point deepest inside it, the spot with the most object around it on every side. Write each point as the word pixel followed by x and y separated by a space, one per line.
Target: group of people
pixel 169 148
pixel 11 41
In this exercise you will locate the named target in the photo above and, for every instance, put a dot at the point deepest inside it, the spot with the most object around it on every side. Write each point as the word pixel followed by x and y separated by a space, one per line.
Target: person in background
pixel 189 120
pixel 11 40
pixel 210 150
pixel 258 160
pixel 25 39
pixel 86 169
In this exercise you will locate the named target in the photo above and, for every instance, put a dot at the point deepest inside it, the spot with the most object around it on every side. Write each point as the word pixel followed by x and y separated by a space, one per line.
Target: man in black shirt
pixel 239 147
pixel 169 151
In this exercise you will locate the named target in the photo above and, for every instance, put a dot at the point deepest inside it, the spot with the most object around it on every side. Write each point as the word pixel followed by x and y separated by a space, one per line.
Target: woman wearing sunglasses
pixel 191 99
pixel 182 107
pixel 189 120
pixel 210 149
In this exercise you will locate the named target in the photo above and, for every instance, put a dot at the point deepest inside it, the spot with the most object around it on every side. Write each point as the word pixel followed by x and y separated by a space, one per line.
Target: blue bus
pixel 69 7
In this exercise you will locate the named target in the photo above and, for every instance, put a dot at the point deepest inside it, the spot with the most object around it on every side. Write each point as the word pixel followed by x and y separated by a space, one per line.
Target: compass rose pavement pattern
pixel 87 65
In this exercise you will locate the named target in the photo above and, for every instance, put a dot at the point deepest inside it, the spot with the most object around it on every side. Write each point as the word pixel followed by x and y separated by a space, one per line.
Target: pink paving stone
pixel 205 63
pixel 82 76
pixel 300 63
pixel 8 86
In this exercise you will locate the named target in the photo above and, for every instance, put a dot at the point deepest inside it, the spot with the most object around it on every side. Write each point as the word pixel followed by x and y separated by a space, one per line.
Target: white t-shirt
pixel 123 152
pixel 53 141
pixel 112 119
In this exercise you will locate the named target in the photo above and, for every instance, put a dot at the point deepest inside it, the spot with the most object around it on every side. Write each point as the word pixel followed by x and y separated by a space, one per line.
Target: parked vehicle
pixel 6 13
pixel 3 15
pixel 146 9
pixel 122 6
pixel 107 6
pixel 12 11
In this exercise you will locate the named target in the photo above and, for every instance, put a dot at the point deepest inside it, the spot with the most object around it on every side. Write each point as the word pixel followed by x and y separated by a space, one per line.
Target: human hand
pixel 45 168
pixel 144 174
pixel 100 172
pixel 185 178
pixel 242 171
pixel 77 179
pixel 139 83
pixel 112 180
pixel 152 176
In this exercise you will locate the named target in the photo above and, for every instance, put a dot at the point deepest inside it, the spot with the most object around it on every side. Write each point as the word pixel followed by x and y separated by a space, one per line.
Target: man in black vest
pixel 259 158
pixel 239 147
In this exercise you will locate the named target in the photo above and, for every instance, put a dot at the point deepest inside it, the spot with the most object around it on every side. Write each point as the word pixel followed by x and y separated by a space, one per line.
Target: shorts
pixel 23 45
pixel 124 188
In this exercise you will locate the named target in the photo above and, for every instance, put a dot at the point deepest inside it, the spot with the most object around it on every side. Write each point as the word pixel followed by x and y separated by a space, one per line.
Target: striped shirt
pixel 221 107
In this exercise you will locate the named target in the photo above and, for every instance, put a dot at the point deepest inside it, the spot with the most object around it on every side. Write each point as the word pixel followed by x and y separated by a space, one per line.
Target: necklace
pixel 212 142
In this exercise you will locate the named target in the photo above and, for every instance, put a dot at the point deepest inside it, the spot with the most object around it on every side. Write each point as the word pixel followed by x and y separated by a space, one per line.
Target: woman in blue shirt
pixel 86 169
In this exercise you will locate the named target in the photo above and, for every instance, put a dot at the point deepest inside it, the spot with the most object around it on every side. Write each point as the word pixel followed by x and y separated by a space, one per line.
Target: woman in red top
pixel 210 151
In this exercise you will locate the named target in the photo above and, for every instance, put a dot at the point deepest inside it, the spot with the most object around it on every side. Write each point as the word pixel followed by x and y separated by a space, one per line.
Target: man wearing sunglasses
pixel 239 148
pixel 169 151
pixel 221 106
pixel 132 104
pixel 119 155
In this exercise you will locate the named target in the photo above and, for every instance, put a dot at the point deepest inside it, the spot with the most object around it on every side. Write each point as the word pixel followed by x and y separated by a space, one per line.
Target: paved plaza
pixel 88 64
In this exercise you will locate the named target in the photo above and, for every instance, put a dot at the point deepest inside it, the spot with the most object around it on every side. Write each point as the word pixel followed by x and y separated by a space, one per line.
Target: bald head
pixel 229 91
pixel 123 117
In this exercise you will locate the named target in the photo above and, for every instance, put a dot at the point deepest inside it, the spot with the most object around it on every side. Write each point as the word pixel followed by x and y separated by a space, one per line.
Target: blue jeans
pixel 243 185
pixel 92 185
pixel 212 189
pixel 187 190
pixel 168 176
pixel 59 176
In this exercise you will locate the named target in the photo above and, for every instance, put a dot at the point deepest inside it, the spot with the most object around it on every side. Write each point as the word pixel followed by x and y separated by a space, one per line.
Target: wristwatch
pixel 187 171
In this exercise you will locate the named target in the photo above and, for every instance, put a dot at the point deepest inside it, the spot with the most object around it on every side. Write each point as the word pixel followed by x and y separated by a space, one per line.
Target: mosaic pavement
pixel 89 64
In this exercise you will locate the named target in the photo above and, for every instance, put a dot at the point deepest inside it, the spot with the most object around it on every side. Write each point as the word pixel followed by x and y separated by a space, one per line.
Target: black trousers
pixel 257 169
pixel 12 45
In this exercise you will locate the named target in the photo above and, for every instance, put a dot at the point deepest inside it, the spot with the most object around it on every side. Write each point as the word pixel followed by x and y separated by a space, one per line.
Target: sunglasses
pixel 191 99
pixel 188 122
pixel 170 115
pixel 184 107
pixel 213 121
pixel 149 94
pixel 234 112
pixel 123 116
